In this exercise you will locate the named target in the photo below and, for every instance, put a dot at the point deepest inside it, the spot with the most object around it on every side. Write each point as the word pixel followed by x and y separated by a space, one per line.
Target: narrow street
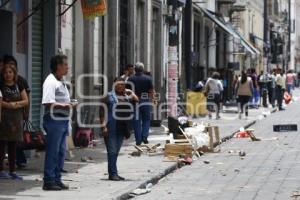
pixel 149 99
pixel 270 169
pixel 269 163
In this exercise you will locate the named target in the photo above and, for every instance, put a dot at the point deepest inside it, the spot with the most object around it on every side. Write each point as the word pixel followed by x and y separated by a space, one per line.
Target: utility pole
pixel 188 11
pixel 172 71
pixel 289 37
pixel 266 37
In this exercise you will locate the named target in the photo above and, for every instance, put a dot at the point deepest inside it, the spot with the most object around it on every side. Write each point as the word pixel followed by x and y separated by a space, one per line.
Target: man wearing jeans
pixel 56 100
pixel 143 88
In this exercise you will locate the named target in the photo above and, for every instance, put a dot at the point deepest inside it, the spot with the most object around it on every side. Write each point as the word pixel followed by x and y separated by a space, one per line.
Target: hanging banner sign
pixel 93 8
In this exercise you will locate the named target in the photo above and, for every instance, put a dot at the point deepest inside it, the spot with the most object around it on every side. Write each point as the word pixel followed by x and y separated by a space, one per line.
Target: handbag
pixel 287 98
pixel 32 137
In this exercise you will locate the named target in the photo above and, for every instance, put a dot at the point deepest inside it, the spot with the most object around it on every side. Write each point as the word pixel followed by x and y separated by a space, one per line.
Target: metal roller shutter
pixel 37 64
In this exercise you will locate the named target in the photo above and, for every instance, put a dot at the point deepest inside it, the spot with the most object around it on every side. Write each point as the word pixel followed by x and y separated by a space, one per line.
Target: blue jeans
pixel 113 144
pixel 254 101
pixel 141 122
pixel 290 87
pixel 56 130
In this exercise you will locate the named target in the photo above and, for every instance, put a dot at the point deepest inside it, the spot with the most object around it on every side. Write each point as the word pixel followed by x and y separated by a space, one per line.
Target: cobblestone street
pixel 270 169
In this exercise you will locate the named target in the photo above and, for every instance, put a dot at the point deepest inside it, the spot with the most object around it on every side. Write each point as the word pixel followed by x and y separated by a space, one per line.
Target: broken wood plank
pixel 138 148
pixel 195 150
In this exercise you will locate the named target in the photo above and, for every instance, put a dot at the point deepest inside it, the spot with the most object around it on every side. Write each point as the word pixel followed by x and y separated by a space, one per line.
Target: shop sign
pixel 93 8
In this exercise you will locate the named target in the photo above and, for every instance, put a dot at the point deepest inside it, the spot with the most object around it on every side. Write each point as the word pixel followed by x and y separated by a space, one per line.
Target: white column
pixel 293 36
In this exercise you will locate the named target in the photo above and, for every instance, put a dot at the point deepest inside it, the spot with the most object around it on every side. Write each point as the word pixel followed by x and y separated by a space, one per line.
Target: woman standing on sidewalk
pixel 213 91
pixel 115 122
pixel 244 90
pixel 11 131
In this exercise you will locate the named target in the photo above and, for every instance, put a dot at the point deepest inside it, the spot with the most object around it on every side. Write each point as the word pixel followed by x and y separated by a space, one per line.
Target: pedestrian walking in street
pixel 11 127
pixel 244 90
pixel 116 123
pixel 213 91
pixel 57 104
pixel 290 81
pixel 143 88
pixel 272 88
pixel 256 94
pixel 21 160
pixel 280 88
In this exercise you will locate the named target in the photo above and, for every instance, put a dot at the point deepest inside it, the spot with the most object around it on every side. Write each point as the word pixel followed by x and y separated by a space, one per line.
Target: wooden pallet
pixel 214 138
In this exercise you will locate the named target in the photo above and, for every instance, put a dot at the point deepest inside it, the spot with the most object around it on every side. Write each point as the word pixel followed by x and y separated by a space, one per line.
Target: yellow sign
pixel 93 8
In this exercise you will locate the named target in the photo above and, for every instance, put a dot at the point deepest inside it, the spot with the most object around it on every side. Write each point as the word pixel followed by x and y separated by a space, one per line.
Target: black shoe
pixel 281 109
pixel 121 178
pixel 145 141
pixel 63 186
pixel 115 178
pixel 138 143
pixel 51 187
pixel 63 171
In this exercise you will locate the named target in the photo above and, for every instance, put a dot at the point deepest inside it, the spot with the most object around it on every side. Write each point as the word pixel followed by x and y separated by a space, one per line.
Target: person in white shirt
pixel 213 91
pixel 57 103
pixel 280 88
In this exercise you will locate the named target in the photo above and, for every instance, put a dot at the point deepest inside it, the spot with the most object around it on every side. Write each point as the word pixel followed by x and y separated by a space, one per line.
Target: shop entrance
pixel 6 35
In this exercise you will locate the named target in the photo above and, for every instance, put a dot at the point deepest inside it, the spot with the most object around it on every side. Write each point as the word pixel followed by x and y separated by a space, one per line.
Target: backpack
pixel 84 137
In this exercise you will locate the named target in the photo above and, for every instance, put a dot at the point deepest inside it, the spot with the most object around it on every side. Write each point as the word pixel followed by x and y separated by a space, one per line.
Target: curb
pixel 155 179
pixel 224 139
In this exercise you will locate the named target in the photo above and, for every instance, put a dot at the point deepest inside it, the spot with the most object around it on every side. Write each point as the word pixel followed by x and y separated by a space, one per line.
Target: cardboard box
pixel 178 149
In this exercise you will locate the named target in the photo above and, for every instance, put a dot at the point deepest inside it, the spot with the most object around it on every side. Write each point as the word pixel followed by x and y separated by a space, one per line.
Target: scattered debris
pixel 151 150
pixel 84 159
pixel 138 148
pixel 141 191
pixel 90 158
pixel 231 151
pixel 186 160
pixel 237 170
pixel 248 133
pixel 138 192
pixel 242 153
pixel 135 154
pixel 295 194
pixel 206 161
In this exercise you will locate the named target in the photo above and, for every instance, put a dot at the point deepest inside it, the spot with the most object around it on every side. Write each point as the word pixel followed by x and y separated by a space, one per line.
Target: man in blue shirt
pixel 143 88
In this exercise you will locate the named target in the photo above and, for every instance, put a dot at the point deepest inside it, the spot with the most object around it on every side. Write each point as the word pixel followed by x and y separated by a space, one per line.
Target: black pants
pixel 279 96
pixel 20 157
pixel 11 150
pixel 213 103
pixel 243 103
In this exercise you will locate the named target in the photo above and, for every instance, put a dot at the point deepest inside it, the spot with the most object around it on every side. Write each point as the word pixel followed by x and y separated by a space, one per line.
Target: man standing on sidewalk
pixel 115 122
pixel 56 100
pixel 280 88
pixel 129 71
pixel 143 88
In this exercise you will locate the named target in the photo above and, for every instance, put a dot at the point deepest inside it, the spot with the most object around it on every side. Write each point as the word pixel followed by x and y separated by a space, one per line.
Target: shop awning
pixel 245 42
pixel 228 28
pixel 217 21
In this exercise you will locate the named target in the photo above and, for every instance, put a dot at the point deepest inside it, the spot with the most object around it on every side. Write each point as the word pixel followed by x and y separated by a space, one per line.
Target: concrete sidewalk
pixel 88 180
